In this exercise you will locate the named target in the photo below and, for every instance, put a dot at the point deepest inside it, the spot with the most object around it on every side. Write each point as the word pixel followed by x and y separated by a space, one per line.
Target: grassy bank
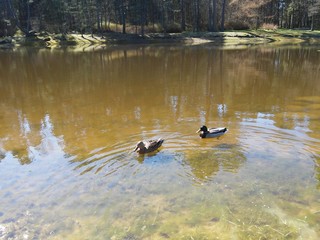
pixel 234 38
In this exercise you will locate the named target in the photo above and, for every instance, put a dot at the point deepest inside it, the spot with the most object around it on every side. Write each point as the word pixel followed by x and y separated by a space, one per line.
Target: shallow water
pixel 69 122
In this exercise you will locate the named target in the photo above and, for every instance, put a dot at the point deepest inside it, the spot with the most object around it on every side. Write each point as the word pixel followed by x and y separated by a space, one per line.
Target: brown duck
pixel 147 146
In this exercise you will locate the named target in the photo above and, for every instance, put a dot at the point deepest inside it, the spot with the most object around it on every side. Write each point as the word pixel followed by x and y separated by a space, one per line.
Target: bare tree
pixel 314 9
pixel 183 15
pixel 212 18
pixel 223 11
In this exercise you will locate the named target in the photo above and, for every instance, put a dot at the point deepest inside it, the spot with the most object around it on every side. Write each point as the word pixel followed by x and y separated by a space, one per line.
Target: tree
pixel 223 11
pixel 314 10
pixel 143 10
pixel 214 16
pixel 5 18
pixel 183 15
pixel 171 15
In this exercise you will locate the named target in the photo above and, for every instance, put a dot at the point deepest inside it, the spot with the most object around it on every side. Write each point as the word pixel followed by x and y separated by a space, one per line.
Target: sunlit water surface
pixel 69 122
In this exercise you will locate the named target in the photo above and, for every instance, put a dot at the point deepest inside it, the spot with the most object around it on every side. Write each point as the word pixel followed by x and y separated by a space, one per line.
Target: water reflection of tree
pixel 205 164
pixel 90 95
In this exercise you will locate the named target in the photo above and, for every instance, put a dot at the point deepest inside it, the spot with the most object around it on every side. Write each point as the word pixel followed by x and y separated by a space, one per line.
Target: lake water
pixel 70 120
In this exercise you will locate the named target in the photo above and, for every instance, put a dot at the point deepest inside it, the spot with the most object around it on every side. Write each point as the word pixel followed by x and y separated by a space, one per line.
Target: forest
pixel 145 16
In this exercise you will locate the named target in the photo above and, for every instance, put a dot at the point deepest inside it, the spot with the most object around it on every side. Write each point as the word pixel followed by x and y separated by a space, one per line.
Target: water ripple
pixel 110 159
pixel 276 141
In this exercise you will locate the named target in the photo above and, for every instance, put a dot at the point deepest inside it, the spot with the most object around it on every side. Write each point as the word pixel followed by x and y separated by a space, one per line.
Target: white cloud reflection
pixel 51 147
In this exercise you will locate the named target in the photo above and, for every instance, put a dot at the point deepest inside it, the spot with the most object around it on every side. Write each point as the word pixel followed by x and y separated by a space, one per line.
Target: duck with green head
pixel 211 132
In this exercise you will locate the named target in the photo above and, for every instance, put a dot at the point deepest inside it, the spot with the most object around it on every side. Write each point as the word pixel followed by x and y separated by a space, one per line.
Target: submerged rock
pixel 165 235
pixel 130 236
pixel 215 219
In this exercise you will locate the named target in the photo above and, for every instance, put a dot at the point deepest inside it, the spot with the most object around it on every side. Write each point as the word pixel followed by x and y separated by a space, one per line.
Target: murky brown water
pixel 68 123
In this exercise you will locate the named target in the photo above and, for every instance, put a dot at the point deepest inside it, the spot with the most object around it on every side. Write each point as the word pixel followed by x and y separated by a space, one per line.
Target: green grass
pixel 286 33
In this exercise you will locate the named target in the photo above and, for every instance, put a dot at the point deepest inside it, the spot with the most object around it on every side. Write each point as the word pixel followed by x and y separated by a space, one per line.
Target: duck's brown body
pixel 147 146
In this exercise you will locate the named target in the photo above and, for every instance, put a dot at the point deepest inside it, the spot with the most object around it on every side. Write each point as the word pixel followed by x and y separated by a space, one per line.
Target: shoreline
pixel 223 39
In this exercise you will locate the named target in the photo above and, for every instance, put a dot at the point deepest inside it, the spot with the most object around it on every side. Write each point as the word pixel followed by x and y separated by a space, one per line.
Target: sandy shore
pixel 90 42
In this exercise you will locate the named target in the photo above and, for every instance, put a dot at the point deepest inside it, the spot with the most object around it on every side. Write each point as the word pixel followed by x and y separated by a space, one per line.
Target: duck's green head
pixel 203 129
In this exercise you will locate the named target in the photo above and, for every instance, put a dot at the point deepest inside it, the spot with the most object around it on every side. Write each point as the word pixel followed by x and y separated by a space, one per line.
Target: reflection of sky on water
pixel 24 125
pixel 51 147
pixel 222 109
pixel 261 138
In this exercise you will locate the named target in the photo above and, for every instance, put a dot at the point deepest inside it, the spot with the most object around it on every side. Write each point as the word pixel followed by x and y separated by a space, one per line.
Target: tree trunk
pixel 281 18
pixel 142 16
pixel 183 16
pixel 223 11
pixel 196 19
pixel 214 16
pixel 123 15
pixel 210 23
pixel 257 23
pixel 28 17
pixel 198 15
pixel 278 13
pixel 98 13
pixel 164 17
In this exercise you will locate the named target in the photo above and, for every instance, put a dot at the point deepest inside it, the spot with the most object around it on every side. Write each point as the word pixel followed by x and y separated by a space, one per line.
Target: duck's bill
pixel 198 131
pixel 135 149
